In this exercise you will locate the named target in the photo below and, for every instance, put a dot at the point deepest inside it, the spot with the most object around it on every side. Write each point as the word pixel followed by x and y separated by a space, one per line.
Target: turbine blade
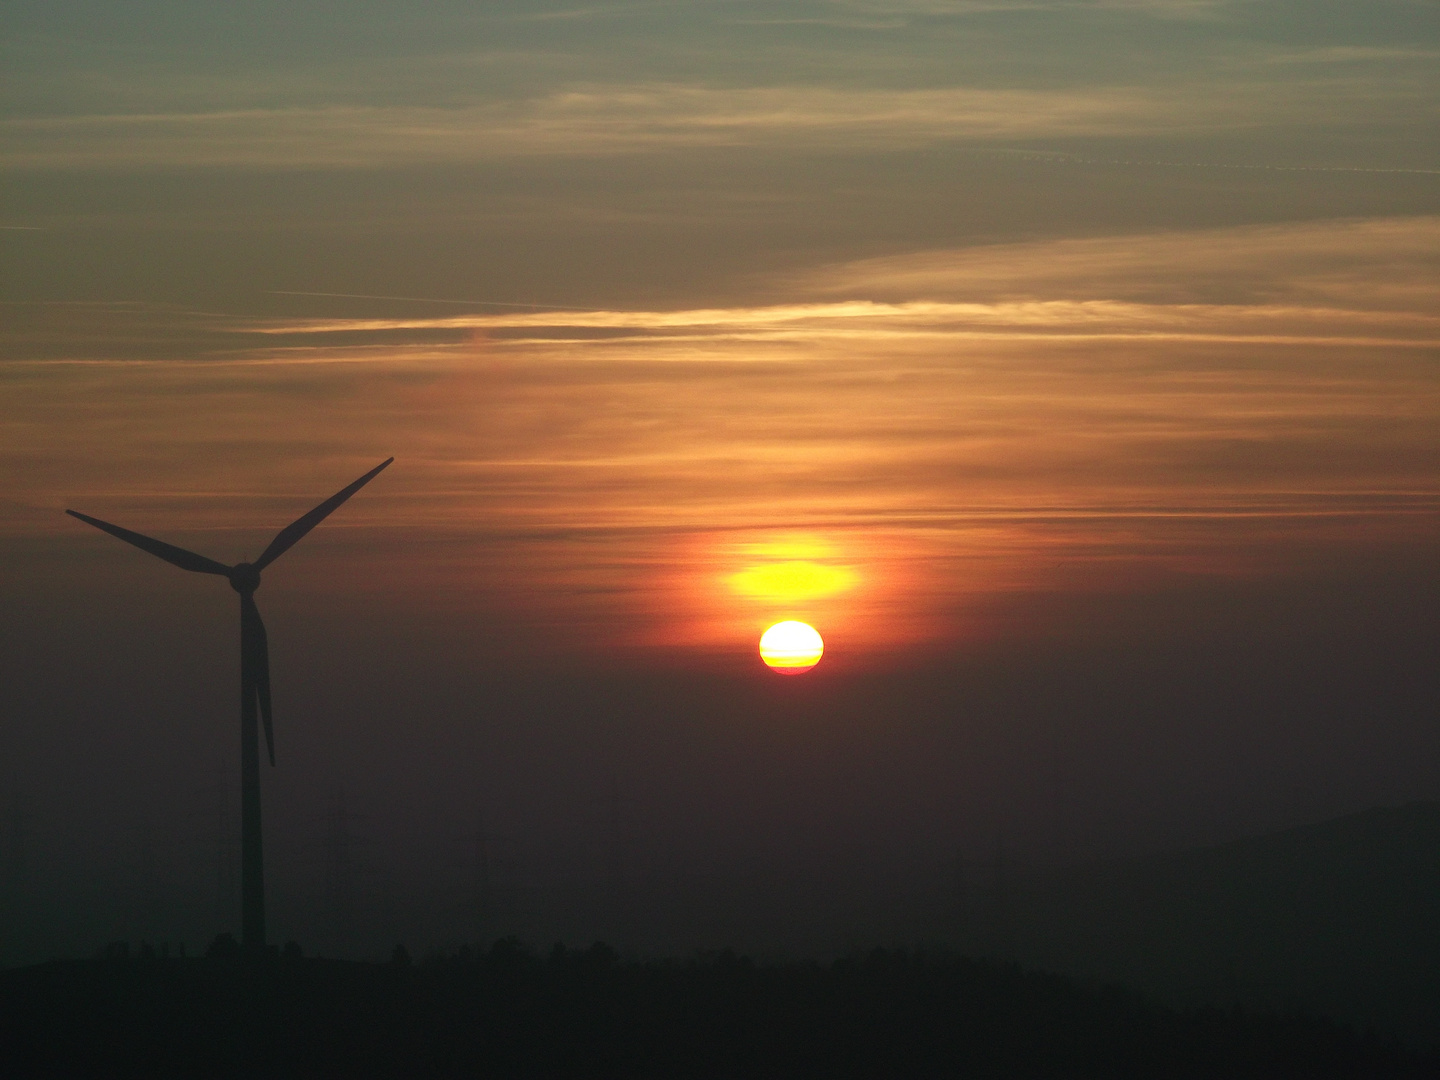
pixel 186 560
pixel 287 537
pixel 256 647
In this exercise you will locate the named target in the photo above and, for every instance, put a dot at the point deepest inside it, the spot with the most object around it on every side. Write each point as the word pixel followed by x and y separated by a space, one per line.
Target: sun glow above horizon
pixel 791 647
pixel 791 570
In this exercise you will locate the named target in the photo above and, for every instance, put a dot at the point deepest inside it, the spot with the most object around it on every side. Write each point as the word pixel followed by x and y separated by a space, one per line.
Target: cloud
pixel 946 425
pixel 877 323
pixel 1377 263
pixel 1159 8
pixel 1332 282
pixel 622 119
pixel 1353 54
pixel 581 121
pixel 1347 282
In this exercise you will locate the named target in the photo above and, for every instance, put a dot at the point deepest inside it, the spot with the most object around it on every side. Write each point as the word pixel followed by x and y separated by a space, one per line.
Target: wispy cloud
pixel 580 121
pixel 1354 54
pixel 1052 320
pixel 651 117
pixel 1348 281
pixel 951 425
pixel 1159 8
pixel 1366 263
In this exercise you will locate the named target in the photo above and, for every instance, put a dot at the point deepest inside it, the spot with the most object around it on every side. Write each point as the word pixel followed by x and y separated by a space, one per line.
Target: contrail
pixel 424 300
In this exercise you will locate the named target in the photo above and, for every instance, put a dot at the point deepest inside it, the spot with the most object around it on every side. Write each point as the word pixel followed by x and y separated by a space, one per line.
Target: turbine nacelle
pixel 244 578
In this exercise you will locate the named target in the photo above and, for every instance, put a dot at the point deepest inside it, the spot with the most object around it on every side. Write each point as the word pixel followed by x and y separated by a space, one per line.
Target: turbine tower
pixel 254 682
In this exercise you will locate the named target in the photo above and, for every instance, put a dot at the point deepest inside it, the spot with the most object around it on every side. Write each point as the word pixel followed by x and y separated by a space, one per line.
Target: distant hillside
pixel 1341 917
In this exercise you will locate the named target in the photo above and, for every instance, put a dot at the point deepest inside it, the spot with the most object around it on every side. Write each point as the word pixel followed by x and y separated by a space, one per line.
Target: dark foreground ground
pixel 509 1013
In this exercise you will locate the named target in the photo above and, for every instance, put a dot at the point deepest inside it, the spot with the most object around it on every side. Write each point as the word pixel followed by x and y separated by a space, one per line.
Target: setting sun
pixel 791 648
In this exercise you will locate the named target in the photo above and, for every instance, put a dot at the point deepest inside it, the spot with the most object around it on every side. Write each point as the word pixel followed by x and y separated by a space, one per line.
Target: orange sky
pixel 947 430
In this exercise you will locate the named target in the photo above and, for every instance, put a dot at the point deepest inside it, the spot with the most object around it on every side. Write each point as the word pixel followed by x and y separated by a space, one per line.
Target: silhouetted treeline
pixel 508 1012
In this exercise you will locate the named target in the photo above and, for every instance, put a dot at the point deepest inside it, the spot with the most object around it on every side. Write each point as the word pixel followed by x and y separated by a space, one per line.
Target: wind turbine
pixel 254 681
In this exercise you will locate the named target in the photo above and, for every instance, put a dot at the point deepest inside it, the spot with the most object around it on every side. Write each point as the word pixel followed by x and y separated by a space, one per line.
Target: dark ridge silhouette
pixel 1340 917
pixel 506 1012
pixel 244 578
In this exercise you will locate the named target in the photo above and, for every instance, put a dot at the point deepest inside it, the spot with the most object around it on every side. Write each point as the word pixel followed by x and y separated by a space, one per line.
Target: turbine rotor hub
pixel 244 578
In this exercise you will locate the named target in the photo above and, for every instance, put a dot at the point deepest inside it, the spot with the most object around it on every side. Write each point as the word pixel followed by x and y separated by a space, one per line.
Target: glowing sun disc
pixel 791 648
